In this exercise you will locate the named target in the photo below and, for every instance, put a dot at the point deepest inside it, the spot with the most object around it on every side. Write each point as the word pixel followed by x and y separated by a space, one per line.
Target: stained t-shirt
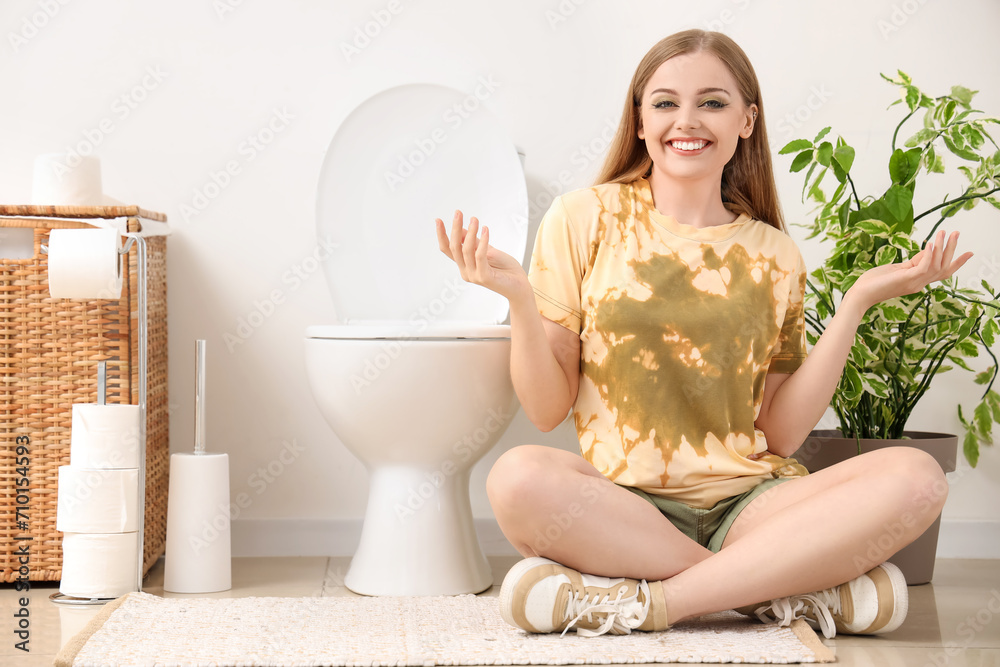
pixel 678 327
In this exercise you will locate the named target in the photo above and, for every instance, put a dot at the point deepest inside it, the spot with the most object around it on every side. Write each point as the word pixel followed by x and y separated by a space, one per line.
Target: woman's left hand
pixel 888 281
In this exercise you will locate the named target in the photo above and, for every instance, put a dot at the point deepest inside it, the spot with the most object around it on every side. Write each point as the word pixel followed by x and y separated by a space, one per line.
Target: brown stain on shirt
pixel 683 360
pixel 678 328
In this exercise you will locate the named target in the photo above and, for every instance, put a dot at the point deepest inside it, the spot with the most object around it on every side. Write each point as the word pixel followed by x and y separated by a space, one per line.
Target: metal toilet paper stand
pixel 140 242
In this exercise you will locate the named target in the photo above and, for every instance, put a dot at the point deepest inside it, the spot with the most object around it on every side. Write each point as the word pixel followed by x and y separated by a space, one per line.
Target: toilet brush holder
pixel 198 554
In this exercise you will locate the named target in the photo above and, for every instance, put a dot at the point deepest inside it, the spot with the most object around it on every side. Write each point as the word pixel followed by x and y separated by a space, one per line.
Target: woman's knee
pixel 924 480
pixel 514 475
pixel 929 481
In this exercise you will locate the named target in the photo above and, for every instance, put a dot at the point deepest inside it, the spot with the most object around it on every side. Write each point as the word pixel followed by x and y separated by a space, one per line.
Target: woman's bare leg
pixel 552 503
pixel 815 532
pixel 802 536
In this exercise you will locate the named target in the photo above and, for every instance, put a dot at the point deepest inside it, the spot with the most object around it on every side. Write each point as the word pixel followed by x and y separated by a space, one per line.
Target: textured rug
pixel 141 630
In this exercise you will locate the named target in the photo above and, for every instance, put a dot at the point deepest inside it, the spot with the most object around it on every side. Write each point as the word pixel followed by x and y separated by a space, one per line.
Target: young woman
pixel 664 305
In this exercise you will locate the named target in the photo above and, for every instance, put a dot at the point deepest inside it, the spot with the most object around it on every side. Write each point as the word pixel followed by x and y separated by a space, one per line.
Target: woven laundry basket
pixel 49 354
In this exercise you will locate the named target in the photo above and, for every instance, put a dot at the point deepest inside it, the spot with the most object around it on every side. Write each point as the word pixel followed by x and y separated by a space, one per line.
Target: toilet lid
pixel 402 158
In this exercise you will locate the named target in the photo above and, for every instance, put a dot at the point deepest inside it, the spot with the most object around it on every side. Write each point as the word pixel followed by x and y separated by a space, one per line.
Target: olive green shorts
pixel 708 527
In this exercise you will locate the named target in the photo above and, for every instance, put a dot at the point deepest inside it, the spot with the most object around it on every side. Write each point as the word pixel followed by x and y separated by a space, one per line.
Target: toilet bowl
pixel 413 376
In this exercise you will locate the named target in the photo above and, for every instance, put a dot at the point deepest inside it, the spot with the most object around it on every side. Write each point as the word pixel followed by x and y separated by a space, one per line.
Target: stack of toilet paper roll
pixel 69 180
pixel 98 508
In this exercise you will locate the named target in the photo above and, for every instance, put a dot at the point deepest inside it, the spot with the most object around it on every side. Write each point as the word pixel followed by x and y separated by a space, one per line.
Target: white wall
pixel 225 70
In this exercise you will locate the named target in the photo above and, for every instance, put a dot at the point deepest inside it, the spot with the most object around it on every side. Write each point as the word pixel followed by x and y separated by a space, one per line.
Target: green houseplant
pixel 903 343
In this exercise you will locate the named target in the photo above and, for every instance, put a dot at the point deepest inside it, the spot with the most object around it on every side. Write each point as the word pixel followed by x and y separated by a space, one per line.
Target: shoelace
pixel 621 615
pixel 823 604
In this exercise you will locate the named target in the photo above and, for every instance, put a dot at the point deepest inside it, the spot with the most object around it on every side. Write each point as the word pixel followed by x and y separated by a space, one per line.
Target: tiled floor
pixel 954 621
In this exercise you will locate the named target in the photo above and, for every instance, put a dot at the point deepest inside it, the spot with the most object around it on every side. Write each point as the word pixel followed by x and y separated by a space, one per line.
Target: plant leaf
pixel 953 145
pixel 922 135
pixel 838 171
pixel 801 160
pixel 947 111
pixel 993 399
pixel 963 94
pixel 854 386
pixel 844 156
pixel 885 255
pixel 796 145
pixel 935 163
pixel 805 185
pixel 903 164
pixel 899 201
pixel 874 227
pixel 824 153
pixel 970 447
pixel 875 386
pixel 972 136
pixel 822 133
pixel 968 348
pixel 913 157
pixel 898 166
pixel 843 214
pixel 982 417
pixel 893 313
pixel 987 332
pixel 967 325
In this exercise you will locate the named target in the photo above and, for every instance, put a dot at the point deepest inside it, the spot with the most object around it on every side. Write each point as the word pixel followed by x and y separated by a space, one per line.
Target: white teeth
pixel 689 145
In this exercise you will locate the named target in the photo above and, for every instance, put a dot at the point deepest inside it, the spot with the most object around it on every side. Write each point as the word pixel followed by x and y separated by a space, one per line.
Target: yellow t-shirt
pixel 678 326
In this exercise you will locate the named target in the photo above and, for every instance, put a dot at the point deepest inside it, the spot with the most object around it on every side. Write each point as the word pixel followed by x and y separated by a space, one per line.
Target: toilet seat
pixel 402 158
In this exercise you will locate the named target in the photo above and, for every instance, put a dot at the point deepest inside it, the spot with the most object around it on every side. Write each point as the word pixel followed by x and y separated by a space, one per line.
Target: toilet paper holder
pixel 130 241
pixel 136 239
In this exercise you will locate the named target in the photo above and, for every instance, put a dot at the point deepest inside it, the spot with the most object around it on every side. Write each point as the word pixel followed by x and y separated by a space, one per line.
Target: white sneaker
pixel 874 603
pixel 540 595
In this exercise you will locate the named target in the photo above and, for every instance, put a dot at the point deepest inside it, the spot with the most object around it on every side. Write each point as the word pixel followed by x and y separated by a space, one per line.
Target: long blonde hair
pixel 748 178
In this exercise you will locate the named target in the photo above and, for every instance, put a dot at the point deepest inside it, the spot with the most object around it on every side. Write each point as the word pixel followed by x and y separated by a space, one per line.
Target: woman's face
pixel 692 116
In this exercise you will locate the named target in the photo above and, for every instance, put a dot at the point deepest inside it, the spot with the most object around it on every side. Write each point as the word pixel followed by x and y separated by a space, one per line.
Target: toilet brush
pixel 198 555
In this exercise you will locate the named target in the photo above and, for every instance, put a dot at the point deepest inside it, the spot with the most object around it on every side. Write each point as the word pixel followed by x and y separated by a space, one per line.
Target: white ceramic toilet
pixel 414 376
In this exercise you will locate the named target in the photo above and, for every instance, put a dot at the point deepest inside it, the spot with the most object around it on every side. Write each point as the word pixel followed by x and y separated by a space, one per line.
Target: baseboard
pixel 330 537
pixel 340 537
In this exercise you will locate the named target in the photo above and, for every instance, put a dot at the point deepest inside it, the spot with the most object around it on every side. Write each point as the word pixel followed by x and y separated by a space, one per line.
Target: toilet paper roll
pixel 105 436
pixel 99 565
pixel 97 501
pixel 63 181
pixel 85 264
pixel 198 554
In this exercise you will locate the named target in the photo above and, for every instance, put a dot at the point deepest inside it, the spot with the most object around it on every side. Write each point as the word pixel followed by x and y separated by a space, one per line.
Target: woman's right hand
pixel 480 263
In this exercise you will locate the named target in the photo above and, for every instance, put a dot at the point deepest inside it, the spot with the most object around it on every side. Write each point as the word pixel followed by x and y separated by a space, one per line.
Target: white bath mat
pixel 142 630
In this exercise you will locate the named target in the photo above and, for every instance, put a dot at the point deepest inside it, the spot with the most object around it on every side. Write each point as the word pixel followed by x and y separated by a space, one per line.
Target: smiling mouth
pixel 689 146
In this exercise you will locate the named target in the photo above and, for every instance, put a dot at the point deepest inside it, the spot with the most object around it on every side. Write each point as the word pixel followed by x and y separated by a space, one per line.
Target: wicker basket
pixel 49 354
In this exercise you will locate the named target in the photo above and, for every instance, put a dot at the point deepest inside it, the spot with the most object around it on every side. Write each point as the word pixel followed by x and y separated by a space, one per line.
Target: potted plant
pixel 902 343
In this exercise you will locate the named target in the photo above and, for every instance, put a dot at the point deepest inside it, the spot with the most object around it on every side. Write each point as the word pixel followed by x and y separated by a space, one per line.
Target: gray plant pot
pixel 825 448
